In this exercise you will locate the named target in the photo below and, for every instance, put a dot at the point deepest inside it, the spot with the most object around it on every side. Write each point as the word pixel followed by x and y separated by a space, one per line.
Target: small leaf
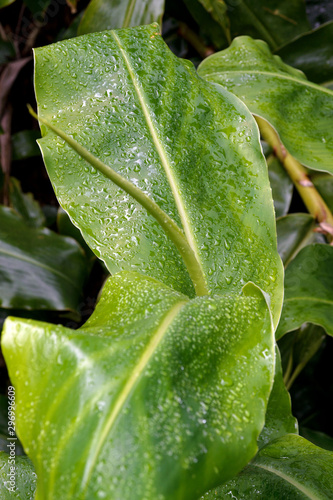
pixel 299 110
pixel 295 231
pixel 39 269
pixel 24 144
pixel 103 15
pixel 282 186
pixel 23 485
pixel 308 290
pixel 288 468
pixel 25 205
pixel 146 396
pixel 279 419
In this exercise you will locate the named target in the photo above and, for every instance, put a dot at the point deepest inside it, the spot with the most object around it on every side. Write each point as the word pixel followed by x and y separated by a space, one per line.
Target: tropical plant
pixel 174 387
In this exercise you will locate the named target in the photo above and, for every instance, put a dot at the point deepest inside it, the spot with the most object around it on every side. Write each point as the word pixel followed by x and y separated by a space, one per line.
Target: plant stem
pixel 192 38
pixel 168 225
pixel 298 174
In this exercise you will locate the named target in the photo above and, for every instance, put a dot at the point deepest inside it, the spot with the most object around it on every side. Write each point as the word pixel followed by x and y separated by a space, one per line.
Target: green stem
pixel 169 226
pixel 309 194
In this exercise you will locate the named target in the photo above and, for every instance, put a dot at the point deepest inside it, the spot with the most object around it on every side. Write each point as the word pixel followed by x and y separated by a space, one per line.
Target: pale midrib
pixel 38 264
pixel 163 156
pixel 306 83
pixel 131 382
pixel 309 299
pixel 291 481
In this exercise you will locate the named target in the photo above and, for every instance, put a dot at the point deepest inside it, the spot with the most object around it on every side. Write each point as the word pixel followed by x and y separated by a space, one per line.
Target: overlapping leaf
pixel 312 53
pixel 156 396
pixel 189 145
pixel 279 419
pixel 299 110
pixel 111 14
pixel 294 232
pixel 38 268
pixel 308 290
pixel 278 472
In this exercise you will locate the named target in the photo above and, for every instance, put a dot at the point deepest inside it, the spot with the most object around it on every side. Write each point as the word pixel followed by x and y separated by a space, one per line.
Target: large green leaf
pixel 38 268
pixel 295 231
pixel 289 468
pixel 279 419
pixel 103 15
pixel 22 484
pixel 312 53
pixel 156 396
pixel 308 290
pixel 25 205
pixel 190 145
pixel 299 110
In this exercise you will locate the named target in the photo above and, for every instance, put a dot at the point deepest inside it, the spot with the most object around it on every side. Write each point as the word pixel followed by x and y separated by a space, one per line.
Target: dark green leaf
pixel 146 113
pixel 308 290
pixel 156 396
pixel 282 186
pixel 24 485
pixel 324 184
pixel 39 269
pixel 289 468
pixel 317 438
pixel 208 28
pixel 25 205
pixel 274 21
pixel 295 231
pixel 299 110
pixel 7 50
pixel 312 53
pixel 4 3
pixel 279 419
pixel 111 14
pixel 24 144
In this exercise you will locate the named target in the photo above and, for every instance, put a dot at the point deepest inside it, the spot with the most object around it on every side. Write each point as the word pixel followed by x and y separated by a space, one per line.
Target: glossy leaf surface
pixel 103 15
pixel 289 468
pixel 248 69
pixel 39 269
pixel 295 231
pixel 163 394
pixel 24 485
pixel 282 186
pixel 279 419
pixel 146 113
pixel 312 53
pixel 308 290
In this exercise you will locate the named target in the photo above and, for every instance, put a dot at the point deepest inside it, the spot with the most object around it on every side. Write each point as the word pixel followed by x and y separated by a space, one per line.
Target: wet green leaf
pixel 39 269
pixel 289 468
pixel 24 485
pixel 25 205
pixel 308 290
pixel 103 15
pixel 146 113
pixel 295 231
pixel 282 186
pixel 279 419
pixel 280 94
pixel 312 53
pixel 163 394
